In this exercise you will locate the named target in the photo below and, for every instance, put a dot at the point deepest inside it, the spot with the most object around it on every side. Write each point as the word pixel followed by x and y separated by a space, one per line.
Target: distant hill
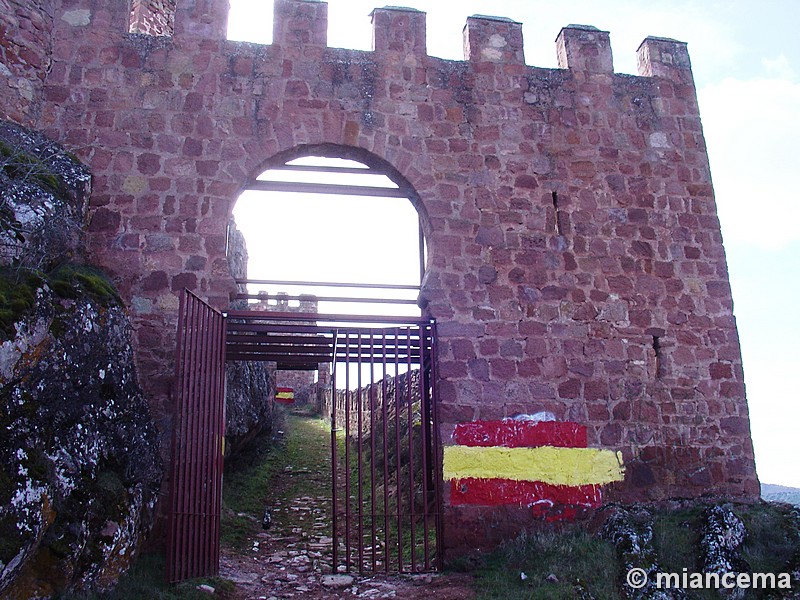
pixel 780 493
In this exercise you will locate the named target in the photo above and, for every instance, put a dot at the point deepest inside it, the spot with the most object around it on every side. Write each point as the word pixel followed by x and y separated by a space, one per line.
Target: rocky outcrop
pixel 249 386
pixel 79 457
pixel 79 463
pixel 631 532
pixel 44 193
pixel 249 401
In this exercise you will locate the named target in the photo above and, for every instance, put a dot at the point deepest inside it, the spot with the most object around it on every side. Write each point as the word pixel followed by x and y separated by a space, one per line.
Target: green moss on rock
pixel 17 297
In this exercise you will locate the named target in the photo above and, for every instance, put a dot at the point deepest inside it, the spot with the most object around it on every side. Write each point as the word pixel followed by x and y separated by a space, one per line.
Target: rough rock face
pixel 79 463
pixel 249 397
pixel 631 531
pixel 44 193
pixel 721 539
pixel 79 456
pixel 249 386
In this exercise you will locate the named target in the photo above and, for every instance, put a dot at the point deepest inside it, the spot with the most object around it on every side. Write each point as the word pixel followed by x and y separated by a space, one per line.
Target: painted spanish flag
pixel 545 465
pixel 284 395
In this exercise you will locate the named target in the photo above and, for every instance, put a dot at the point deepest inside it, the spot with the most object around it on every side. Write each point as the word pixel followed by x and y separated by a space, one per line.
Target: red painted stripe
pixel 284 400
pixel 284 389
pixel 521 434
pixel 536 494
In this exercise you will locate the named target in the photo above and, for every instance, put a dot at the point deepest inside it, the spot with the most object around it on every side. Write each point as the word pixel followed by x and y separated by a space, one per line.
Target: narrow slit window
pixel 657 351
pixel 556 215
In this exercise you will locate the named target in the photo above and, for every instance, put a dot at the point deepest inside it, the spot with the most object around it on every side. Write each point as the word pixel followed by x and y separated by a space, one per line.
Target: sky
pixel 746 62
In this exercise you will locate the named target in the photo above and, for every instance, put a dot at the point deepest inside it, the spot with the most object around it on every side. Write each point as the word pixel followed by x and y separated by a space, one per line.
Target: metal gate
pixel 385 467
pixel 385 461
pixel 197 442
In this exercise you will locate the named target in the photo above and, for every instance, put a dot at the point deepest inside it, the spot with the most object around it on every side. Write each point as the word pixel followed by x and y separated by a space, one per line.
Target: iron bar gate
pixel 385 463
pixel 385 469
pixel 197 442
pixel 385 455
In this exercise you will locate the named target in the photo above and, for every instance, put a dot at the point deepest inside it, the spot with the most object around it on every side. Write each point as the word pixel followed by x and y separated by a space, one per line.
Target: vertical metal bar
pixel 410 451
pixel 188 435
pixel 206 544
pixel 371 394
pixel 359 457
pixel 347 453
pixel 425 433
pixel 334 458
pixel 384 438
pixel 219 449
pixel 437 474
pixel 398 495
pixel 198 441
pixel 421 253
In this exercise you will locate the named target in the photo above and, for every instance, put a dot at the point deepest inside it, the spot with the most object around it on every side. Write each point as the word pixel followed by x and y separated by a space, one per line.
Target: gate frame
pixel 204 339
pixel 198 442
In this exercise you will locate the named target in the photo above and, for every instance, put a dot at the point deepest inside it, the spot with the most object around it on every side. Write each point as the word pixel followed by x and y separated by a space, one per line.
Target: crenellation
pixel 200 20
pixel 300 22
pixel 584 48
pixel 667 58
pixel 396 29
pixel 493 39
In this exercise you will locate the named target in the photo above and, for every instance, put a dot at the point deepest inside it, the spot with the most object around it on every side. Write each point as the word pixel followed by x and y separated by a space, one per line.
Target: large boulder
pixel 79 460
pixel 44 192
pixel 80 465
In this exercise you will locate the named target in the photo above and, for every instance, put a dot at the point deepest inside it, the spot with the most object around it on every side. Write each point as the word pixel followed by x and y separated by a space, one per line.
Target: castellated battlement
pixel 575 264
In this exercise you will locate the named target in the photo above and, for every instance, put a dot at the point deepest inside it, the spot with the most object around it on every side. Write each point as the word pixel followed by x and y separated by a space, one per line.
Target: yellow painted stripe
pixel 284 395
pixel 559 466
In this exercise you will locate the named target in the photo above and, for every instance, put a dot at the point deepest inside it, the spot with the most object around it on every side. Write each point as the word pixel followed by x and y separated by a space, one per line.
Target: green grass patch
pixel 72 281
pixel 146 580
pixel 17 297
pixel 581 562
pixel 255 479
pixel 558 565
pixel 773 536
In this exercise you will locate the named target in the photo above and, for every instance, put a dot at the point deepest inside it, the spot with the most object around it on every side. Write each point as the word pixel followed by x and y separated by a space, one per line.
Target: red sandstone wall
pixel 25 48
pixel 607 304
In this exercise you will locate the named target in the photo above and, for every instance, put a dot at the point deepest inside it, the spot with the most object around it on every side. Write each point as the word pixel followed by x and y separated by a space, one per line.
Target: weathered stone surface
pixel 249 386
pixel 79 456
pixel 44 195
pixel 79 459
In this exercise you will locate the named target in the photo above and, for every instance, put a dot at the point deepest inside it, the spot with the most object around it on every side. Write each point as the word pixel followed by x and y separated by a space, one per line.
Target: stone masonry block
pixel 300 22
pixel 398 30
pixel 584 48
pixel 493 39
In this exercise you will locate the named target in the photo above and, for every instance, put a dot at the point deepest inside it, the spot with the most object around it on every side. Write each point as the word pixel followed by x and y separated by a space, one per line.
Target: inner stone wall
pixel 25 54
pixel 575 262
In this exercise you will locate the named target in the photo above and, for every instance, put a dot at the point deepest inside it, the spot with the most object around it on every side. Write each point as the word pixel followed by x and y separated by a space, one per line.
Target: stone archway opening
pixel 334 228
pixel 328 292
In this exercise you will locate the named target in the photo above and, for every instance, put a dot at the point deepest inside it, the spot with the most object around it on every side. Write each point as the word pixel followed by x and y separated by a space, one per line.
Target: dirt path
pixel 292 559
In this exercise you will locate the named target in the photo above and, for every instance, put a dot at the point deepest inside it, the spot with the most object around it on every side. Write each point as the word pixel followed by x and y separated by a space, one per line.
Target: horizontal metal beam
pixel 326 299
pixel 370 286
pixel 315 318
pixel 331 169
pixel 326 188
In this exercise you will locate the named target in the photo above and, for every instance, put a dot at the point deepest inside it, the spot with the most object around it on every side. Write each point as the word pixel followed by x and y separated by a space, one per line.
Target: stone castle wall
pixel 575 262
pixel 26 46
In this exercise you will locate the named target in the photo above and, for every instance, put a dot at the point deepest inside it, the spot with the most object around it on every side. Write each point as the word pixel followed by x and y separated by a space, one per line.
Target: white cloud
pixel 778 67
pixel 752 131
